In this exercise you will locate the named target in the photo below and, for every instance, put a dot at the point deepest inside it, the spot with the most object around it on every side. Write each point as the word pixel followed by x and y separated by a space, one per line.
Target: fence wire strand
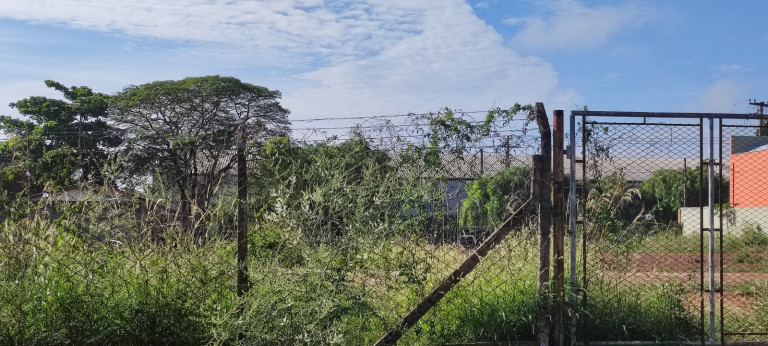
pixel 349 228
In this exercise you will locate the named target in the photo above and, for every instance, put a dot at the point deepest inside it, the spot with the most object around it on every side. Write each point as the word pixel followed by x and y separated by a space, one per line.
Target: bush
pixel 663 191
pixel 490 199
pixel 327 192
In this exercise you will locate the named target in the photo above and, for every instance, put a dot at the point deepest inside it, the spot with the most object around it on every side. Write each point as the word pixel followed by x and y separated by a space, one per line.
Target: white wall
pixel 742 217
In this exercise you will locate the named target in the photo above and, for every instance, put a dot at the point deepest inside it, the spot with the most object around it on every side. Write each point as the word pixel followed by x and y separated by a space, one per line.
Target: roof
pixel 633 169
pixel 637 169
pixel 748 144
pixel 91 194
pixel 77 195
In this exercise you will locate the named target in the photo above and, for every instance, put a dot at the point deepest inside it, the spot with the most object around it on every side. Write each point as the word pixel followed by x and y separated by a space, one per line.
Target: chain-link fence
pixel 673 235
pixel 349 228
pixel 743 251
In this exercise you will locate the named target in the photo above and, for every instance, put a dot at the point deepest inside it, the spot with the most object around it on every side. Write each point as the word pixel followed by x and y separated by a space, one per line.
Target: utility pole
pixel 506 147
pixel 762 130
pixel 78 106
pixel 760 105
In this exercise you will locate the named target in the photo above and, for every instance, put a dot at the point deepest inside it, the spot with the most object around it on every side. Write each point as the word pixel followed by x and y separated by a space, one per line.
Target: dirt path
pixel 681 267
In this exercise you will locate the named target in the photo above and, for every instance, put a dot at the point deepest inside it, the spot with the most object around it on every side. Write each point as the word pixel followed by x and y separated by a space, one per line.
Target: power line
pixel 384 116
pixel 391 116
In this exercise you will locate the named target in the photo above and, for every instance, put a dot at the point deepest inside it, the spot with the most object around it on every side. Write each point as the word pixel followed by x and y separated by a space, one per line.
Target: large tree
pixel 184 131
pixel 61 143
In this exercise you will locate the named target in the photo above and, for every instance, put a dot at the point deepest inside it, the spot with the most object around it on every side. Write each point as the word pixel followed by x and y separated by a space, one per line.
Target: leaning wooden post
pixel 545 222
pixel 242 216
pixel 445 286
pixel 558 229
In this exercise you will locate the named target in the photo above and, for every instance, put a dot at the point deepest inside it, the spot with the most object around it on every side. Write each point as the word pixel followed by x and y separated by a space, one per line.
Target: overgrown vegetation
pixel 345 235
pixel 488 197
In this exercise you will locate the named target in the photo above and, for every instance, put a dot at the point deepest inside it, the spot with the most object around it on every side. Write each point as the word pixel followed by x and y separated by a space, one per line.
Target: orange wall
pixel 749 179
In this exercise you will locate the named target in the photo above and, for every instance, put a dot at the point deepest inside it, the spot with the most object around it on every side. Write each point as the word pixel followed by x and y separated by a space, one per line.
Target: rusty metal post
pixel 242 216
pixel 542 318
pixel 558 229
pixel 545 222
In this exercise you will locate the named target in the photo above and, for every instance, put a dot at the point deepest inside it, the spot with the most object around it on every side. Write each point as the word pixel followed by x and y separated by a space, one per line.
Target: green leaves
pixel 488 198
pixel 184 131
pixel 61 138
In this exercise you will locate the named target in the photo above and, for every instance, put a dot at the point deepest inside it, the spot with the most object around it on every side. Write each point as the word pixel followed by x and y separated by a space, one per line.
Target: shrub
pixel 489 198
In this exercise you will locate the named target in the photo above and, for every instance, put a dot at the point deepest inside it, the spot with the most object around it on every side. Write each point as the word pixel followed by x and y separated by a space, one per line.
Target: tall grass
pixel 63 288
pixel 61 285
pixel 645 312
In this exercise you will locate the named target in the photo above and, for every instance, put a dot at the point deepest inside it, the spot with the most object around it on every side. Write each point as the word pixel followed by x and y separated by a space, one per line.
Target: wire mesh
pixel 645 215
pixel 743 275
pixel 350 227
pixel 642 265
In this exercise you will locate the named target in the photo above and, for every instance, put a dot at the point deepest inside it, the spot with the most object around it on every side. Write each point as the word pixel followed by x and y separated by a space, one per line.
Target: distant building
pixel 150 217
pixel 748 187
pixel 749 172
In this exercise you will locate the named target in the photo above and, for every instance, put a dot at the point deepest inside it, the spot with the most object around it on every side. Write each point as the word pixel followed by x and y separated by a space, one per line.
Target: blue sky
pixel 374 57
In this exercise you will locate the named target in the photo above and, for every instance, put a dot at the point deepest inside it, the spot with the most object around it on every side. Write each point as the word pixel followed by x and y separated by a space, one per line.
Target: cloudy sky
pixel 373 57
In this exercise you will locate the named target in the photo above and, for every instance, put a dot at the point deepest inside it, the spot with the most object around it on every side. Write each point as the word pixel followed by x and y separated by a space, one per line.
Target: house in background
pixel 748 190
pixel 149 217
pixel 749 181
pixel 749 172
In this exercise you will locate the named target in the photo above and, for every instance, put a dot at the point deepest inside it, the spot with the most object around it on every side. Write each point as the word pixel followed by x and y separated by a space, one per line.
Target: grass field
pixel 59 286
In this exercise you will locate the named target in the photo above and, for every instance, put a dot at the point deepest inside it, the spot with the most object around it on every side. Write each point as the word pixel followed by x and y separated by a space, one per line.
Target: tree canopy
pixel 666 189
pixel 62 142
pixel 184 131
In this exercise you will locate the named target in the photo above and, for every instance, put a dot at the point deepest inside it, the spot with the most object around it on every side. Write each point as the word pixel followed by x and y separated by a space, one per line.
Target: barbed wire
pixel 384 116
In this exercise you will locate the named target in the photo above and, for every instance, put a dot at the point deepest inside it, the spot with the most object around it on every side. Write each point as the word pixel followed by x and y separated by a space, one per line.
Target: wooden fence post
pixel 445 286
pixel 545 222
pixel 558 230
pixel 242 221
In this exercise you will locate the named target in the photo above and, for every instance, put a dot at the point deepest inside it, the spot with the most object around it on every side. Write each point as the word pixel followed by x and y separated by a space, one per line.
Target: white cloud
pixel 275 28
pixel 485 4
pixel 570 24
pixel 355 56
pixel 457 61
pixel 722 96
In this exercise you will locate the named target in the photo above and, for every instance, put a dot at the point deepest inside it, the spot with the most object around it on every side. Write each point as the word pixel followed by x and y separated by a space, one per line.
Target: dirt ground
pixel 685 268
pixel 682 267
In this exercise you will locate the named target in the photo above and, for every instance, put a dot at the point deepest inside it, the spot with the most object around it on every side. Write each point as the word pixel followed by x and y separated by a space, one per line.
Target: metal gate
pixel 671 214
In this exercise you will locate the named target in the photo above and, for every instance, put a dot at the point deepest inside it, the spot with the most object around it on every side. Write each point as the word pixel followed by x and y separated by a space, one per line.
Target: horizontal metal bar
pixel 745 333
pixel 714 229
pixel 666 115
pixel 743 126
pixel 652 343
pixel 649 124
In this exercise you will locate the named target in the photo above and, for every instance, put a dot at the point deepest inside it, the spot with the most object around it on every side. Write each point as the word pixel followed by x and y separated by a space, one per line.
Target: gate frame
pixel 573 205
